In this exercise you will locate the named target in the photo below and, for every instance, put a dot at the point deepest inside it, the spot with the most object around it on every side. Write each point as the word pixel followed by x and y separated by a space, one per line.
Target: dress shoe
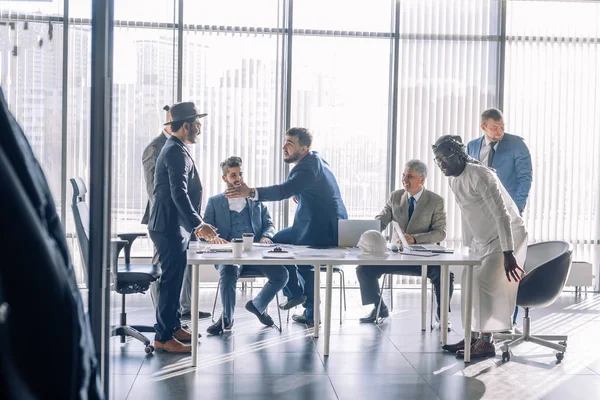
pixel 293 302
pixel 453 348
pixel 217 327
pixel 480 349
pixel 264 318
pixel 183 336
pixel 383 313
pixel 201 315
pixel 172 346
pixel 301 319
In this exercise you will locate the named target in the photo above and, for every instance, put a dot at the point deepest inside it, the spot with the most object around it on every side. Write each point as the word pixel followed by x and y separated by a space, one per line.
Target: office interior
pixel 377 83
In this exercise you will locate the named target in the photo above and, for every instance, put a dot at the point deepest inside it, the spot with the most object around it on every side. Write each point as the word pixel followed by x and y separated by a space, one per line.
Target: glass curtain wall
pixel 233 63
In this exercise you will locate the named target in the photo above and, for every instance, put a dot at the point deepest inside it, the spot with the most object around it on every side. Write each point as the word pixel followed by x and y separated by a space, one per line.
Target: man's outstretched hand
pixel 511 267
pixel 238 192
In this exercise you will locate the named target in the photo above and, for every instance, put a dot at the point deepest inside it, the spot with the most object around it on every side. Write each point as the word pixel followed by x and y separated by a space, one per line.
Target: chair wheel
pixel 505 356
pixel 560 356
pixel 149 349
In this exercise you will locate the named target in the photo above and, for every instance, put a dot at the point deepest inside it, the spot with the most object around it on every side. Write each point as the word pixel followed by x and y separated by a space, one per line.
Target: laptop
pixel 349 230
pixel 433 248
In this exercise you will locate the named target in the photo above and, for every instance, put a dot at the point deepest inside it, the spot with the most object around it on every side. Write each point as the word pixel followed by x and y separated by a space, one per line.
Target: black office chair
pixel 245 274
pixel 547 268
pixel 126 278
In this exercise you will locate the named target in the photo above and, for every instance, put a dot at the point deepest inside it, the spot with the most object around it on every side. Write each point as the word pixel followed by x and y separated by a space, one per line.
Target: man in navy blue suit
pixel 233 218
pixel 173 218
pixel 312 183
pixel 507 154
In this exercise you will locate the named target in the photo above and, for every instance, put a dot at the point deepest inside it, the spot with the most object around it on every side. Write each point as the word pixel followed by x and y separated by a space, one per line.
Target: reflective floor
pixel 392 361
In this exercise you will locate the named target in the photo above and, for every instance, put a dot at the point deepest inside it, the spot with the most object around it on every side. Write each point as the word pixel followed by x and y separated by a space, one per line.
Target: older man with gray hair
pixel 421 216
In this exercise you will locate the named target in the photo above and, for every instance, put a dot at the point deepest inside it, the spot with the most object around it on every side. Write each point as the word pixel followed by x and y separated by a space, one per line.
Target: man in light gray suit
pixel 149 157
pixel 420 214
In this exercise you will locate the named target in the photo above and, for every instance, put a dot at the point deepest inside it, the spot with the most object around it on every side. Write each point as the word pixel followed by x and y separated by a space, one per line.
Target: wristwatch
pixel 252 193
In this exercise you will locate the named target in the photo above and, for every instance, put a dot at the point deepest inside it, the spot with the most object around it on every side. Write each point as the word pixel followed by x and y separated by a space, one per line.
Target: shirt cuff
pixel 255 198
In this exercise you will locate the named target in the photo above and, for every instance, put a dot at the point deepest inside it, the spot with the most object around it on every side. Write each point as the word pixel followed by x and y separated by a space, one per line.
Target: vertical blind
pixel 552 99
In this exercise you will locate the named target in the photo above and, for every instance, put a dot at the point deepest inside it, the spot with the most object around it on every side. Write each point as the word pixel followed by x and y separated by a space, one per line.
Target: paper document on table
pixel 223 248
pixel 278 255
pixel 213 254
pixel 418 253
pixel 321 253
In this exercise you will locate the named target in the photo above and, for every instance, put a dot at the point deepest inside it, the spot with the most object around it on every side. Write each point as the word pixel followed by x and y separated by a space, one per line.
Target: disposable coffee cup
pixel 237 247
pixel 248 239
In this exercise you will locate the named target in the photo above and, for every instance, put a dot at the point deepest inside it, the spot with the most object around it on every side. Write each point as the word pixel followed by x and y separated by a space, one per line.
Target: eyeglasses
pixel 444 159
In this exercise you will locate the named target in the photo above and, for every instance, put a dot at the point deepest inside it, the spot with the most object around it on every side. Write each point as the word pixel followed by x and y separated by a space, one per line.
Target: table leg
pixel 444 300
pixel 424 297
pixel 328 295
pixel 317 299
pixel 195 283
pixel 468 311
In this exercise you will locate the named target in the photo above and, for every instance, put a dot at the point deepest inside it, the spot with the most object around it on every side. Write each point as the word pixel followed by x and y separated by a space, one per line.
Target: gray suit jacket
pixel 428 222
pixel 149 157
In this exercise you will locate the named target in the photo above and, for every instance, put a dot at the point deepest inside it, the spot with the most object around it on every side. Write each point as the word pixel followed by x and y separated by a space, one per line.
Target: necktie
pixel 492 152
pixel 411 206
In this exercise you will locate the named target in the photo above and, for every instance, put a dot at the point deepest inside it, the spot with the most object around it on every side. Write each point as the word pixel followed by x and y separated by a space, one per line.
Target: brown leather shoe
pixel 183 336
pixel 172 346
pixel 480 349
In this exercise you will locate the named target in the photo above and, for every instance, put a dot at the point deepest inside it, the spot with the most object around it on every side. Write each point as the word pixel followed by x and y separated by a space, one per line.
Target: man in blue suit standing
pixel 173 218
pixel 233 218
pixel 507 154
pixel 313 185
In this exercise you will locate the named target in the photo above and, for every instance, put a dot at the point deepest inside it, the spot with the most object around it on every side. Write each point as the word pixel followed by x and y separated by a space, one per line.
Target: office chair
pixel 126 278
pixel 336 270
pixel 246 274
pixel 547 268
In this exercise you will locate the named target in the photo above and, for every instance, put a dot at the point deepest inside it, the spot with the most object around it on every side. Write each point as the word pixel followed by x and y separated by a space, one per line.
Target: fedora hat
pixel 184 111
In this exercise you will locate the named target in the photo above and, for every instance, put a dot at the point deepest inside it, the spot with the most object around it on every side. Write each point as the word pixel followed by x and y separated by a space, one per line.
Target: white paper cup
pixel 237 247
pixel 248 239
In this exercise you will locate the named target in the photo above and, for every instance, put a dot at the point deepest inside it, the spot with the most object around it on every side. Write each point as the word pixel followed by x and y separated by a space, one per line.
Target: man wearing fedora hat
pixel 174 216
pixel 149 158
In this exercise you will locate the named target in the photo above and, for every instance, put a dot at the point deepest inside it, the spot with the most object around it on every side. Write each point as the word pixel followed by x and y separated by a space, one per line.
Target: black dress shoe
pixel 264 318
pixel 479 349
pixel 201 315
pixel 301 319
pixel 293 302
pixel 217 327
pixel 383 313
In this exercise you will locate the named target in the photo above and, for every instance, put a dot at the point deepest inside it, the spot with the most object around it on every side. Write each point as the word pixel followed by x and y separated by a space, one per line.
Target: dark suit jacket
pixel 320 204
pixel 428 222
pixel 149 158
pixel 39 278
pixel 217 214
pixel 512 162
pixel 177 191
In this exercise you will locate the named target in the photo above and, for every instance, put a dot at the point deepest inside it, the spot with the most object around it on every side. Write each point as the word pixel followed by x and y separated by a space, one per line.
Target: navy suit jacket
pixel 512 162
pixel 320 204
pixel 177 191
pixel 217 214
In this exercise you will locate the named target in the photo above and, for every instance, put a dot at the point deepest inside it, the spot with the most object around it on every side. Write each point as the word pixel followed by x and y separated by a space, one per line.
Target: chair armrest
pixel 130 237
pixel 115 249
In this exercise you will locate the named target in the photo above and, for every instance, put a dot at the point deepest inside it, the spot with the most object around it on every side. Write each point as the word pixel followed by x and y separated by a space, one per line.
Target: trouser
pixel 277 276
pixel 185 297
pixel 171 250
pixel 369 286
pixel 301 282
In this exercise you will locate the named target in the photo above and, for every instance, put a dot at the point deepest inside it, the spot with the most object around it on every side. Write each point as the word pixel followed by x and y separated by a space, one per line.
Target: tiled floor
pixel 393 361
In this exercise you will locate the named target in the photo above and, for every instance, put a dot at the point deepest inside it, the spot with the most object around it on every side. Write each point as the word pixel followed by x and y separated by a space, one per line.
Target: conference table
pixel 342 256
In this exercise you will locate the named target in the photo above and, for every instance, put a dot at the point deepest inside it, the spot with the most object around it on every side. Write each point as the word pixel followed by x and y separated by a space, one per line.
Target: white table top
pixel 349 257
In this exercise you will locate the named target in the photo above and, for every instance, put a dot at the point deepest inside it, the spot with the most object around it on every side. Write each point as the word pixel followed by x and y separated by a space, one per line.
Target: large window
pixel 340 81
pixel 552 99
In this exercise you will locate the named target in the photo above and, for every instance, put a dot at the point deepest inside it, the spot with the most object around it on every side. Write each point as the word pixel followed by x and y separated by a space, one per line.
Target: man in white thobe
pixel 493 230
